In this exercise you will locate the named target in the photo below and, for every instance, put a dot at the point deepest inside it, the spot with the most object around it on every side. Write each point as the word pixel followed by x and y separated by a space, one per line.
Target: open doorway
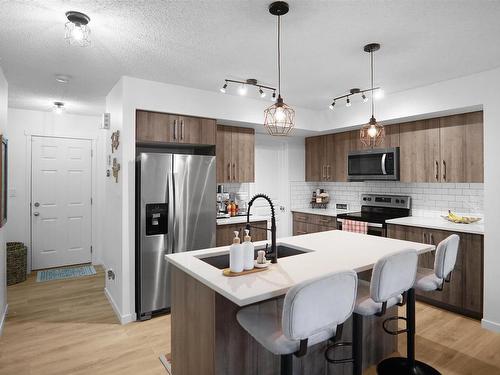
pixel 61 201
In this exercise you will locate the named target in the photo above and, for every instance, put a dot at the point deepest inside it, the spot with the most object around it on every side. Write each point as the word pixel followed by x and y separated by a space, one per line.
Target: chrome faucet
pixel 274 250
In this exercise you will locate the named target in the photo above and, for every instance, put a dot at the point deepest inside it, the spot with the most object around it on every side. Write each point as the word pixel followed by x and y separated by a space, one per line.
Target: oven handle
pixel 371 225
pixel 384 172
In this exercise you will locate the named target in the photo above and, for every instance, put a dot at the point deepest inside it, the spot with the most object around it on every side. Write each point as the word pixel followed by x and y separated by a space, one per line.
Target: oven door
pixel 374 229
pixel 378 164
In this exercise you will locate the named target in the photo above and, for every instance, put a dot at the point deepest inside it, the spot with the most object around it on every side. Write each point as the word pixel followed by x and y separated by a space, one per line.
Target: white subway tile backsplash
pixel 427 198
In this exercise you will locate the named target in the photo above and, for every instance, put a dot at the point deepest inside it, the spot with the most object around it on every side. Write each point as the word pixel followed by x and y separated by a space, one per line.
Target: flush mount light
pixel 373 133
pixel 77 31
pixel 279 119
pixel 58 107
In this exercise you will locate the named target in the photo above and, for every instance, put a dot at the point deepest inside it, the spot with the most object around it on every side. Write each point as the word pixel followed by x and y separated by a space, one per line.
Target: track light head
pixel 348 102
pixel 262 93
pixel 332 105
pixel 365 99
pixel 223 88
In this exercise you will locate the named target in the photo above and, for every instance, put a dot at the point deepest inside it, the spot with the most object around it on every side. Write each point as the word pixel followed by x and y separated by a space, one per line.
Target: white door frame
pixel 29 190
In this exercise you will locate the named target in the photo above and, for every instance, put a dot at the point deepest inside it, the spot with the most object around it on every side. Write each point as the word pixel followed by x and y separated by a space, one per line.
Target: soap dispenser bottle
pixel 236 254
pixel 248 251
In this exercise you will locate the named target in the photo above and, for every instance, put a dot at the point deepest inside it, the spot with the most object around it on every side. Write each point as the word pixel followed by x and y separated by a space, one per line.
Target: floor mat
pixel 64 273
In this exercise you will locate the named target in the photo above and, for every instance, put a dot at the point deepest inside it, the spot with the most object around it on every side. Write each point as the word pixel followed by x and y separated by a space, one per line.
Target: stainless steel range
pixel 376 209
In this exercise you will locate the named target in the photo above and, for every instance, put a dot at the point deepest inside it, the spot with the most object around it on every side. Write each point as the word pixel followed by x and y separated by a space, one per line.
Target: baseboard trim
pixel 124 319
pixel 3 317
pixel 491 326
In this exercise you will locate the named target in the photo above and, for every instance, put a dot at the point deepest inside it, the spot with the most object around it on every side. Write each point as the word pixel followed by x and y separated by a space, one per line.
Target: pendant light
pixel 279 119
pixel 372 134
pixel 77 31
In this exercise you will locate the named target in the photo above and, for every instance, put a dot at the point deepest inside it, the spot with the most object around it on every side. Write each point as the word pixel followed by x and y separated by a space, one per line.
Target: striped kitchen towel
pixel 355 226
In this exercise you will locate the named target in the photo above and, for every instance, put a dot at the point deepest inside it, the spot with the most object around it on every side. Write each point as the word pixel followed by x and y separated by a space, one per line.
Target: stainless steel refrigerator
pixel 175 206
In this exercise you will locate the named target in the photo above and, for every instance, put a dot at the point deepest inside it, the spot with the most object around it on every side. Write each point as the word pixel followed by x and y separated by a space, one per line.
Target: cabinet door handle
pixel 431 237
pixel 175 129
pixel 182 129
pixel 229 171
pixel 328 172
pixel 437 170
pixel 444 170
pixel 234 171
pixel 424 237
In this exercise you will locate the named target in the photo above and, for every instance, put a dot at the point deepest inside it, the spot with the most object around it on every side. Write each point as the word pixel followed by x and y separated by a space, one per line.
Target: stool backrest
pixel 393 274
pixel 446 256
pixel 315 305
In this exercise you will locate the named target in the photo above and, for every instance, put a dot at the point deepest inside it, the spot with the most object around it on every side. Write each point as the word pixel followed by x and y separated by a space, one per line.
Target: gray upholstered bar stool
pixel 444 262
pixel 392 276
pixel 313 311
pixel 427 280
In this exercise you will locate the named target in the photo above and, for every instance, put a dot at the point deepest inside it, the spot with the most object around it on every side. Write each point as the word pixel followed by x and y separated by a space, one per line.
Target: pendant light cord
pixel 371 63
pixel 279 57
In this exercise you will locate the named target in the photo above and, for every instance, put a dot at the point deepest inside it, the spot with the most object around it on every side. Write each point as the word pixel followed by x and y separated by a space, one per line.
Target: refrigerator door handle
pixel 171 213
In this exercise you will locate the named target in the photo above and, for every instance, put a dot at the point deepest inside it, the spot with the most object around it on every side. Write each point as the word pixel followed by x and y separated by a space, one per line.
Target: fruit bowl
pixel 457 219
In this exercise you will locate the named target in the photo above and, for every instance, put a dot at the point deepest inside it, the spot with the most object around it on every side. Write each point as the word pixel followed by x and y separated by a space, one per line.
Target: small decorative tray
pixel 227 272
pixel 322 204
pixel 462 219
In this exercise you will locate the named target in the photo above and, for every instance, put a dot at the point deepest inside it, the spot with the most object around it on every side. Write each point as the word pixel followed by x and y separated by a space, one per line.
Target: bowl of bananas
pixel 457 219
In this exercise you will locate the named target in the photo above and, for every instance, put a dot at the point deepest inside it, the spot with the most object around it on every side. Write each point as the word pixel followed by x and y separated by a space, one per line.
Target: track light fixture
pixel 58 107
pixel 357 91
pixel 243 86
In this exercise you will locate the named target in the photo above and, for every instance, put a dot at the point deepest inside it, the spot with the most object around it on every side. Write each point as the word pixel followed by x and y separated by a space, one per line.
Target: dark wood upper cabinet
pixel 169 128
pixel 235 153
pixel 315 159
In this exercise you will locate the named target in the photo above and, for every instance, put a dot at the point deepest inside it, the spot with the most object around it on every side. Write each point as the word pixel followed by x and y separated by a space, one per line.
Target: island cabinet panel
pixel 235 152
pixel 225 233
pixel 464 293
pixel 157 127
pixel 304 223
pixel 207 339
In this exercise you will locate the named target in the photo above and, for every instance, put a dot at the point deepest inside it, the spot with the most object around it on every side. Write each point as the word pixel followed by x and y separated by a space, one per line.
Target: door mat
pixel 64 273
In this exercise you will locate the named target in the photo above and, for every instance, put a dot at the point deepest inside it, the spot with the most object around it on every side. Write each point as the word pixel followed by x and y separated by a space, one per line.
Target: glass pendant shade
pixel 279 119
pixel 76 30
pixel 372 134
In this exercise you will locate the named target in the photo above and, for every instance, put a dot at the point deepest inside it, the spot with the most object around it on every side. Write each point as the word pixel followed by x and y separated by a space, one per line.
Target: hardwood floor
pixel 68 327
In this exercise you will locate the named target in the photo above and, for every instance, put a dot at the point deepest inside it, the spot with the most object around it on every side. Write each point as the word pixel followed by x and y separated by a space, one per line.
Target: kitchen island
pixel 206 338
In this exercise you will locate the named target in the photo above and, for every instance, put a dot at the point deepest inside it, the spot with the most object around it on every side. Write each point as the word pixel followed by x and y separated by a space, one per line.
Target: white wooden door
pixel 61 201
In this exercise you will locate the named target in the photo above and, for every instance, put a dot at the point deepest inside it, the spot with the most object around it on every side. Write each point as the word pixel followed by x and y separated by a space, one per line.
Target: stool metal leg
pixel 287 364
pixel 357 344
pixel 400 365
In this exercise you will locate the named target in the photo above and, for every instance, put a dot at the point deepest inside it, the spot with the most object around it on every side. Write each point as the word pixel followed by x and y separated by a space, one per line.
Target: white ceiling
pixel 199 43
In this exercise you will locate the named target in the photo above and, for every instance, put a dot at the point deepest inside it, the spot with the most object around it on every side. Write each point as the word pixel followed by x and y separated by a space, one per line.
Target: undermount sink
pixel 222 261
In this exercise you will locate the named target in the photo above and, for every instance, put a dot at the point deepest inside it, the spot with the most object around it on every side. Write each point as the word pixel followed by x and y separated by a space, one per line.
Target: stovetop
pixel 379 208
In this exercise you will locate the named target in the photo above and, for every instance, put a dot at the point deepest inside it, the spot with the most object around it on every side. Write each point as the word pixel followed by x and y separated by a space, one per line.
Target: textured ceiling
pixel 199 43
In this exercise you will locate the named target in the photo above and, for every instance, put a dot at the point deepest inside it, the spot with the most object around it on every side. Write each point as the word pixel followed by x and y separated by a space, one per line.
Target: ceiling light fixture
pixel 373 133
pixel 58 107
pixel 243 85
pixel 279 119
pixel 77 30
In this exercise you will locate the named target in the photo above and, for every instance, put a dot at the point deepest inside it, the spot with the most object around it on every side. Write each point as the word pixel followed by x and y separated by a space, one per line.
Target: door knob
pixel 36 213
pixel 37 204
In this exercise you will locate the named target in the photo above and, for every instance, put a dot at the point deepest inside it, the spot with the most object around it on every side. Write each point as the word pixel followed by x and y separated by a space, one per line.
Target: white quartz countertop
pixel 321 211
pixel 241 219
pixel 437 222
pixel 326 252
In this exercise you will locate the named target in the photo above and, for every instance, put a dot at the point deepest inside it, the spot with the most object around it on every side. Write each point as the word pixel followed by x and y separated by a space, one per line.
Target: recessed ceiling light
pixel 62 78
pixel 58 107
pixel 77 30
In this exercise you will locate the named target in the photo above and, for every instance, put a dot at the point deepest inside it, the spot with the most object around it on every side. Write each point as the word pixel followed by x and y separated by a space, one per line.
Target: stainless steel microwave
pixel 374 164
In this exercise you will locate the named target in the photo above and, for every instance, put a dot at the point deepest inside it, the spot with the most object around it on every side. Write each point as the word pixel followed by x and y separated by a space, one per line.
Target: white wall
pixel 453 96
pixel 3 260
pixel 21 126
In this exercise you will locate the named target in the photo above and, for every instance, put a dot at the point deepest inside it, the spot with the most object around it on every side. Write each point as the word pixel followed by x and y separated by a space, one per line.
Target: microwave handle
pixel 384 172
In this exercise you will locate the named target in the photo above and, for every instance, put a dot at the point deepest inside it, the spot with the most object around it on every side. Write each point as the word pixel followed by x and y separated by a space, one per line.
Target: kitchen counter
pixel 325 252
pixel 321 211
pixel 205 303
pixel 439 223
pixel 241 219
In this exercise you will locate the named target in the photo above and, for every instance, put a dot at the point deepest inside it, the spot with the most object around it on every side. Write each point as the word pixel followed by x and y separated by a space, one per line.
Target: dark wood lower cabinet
pixel 311 223
pixel 225 233
pixel 464 293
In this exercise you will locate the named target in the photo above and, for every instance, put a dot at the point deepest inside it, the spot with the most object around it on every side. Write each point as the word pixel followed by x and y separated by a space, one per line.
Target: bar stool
pixel 313 312
pixel 392 276
pixel 427 280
